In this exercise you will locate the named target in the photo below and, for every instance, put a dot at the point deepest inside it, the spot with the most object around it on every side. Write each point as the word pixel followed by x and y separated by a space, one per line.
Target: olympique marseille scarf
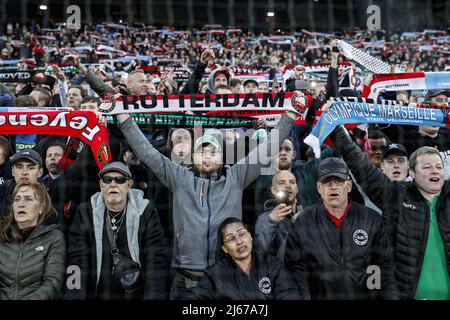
pixel 360 112
pixel 81 124
pixel 406 81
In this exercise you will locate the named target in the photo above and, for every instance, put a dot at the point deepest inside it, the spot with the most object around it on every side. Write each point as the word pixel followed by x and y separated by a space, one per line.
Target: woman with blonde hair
pixel 32 249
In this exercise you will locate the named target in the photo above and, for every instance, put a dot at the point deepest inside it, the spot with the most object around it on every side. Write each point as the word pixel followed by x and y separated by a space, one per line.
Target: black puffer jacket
pixel 332 263
pixel 5 196
pixel 33 269
pixel 406 213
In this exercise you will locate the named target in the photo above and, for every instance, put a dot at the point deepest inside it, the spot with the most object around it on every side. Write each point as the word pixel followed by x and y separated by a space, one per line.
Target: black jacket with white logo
pixel 341 263
pixel 268 280
pixel 406 213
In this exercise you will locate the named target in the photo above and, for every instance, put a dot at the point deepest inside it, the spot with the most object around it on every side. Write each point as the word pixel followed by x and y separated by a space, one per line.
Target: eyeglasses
pixel 337 182
pixel 241 234
pixel 118 180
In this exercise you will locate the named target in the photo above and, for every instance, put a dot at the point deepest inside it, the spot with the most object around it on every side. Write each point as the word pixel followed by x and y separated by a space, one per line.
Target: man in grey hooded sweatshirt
pixel 218 77
pixel 203 195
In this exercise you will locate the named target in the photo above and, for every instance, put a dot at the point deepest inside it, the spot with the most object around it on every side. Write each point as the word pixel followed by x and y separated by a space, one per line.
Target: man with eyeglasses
pixel 135 227
pixel 203 194
pixel 338 249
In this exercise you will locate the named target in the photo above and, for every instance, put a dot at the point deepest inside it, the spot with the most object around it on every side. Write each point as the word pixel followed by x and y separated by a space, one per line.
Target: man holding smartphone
pixel 272 226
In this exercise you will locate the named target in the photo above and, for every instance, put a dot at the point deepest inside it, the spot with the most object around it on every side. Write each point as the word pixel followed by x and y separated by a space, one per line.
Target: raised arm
pixel 332 78
pixel 191 86
pixel 163 168
pixel 249 168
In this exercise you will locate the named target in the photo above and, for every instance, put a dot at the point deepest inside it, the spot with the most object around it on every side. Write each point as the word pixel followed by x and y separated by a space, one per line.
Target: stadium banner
pixel 81 124
pixel 16 75
pixel 406 81
pixel 341 113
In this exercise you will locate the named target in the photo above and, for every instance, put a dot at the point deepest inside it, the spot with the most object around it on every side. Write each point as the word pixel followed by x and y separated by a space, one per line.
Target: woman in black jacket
pixel 241 272
pixel 32 249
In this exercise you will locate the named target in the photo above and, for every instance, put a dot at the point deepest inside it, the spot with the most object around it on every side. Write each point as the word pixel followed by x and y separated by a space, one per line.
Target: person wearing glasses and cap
pixel 333 246
pixel 242 272
pixel 121 213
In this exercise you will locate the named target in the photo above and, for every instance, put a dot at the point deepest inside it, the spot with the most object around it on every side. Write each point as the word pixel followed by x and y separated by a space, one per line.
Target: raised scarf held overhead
pixel 211 103
pixel 80 124
pixel 406 81
pixel 341 113
pixel 187 121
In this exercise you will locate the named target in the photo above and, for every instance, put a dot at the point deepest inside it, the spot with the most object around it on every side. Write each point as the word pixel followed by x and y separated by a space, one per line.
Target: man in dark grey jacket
pixel 203 195
pixel 272 226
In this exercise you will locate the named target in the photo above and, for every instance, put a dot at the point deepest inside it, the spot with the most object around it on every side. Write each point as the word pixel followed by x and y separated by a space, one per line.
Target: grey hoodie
pixel 211 77
pixel 200 204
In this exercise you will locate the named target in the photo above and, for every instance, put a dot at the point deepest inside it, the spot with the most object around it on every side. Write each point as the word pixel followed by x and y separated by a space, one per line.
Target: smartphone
pixel 282 197
pixel 302 85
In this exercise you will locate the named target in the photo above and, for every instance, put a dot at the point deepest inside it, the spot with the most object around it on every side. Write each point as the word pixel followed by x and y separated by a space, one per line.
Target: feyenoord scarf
pixel 268 105
pixel 188 121
pixel 406 81
pixel 359 112
pixel 267 102
pixel 80 124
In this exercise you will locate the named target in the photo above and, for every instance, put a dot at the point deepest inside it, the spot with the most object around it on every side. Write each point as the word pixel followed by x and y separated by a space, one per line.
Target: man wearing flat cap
pixel 26 165
pixel 117 218
pixel 338 249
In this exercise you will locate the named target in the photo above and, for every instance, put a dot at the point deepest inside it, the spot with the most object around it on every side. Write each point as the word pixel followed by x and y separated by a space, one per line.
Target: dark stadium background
pixel 321 15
